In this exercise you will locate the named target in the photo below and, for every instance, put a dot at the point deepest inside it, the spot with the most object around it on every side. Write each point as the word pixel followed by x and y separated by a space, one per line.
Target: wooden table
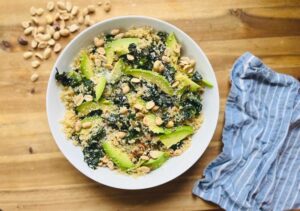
pixel 34 175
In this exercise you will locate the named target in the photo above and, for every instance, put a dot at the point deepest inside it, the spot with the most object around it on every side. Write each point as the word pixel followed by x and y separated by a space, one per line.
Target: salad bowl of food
pixel 132 102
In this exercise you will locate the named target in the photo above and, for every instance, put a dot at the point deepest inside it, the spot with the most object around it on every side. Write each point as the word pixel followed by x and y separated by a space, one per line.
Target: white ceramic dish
pixel 173 167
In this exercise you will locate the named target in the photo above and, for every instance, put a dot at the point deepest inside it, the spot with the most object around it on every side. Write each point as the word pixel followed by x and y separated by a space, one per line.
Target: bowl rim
pixel 188 166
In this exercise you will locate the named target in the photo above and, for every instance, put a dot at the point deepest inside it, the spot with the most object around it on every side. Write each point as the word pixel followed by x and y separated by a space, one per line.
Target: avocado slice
pixel 175 135
pixel 86 65
pixel 120 158
pixel 117 71
pixel 149 121
pixel 207 83
pixel 172 44
pixel 152 77
pixel 156 163
pixel 87 107
pixel 185 81
pixel 74 75
pixel 91 119
pixel 119 47
pixel 99 88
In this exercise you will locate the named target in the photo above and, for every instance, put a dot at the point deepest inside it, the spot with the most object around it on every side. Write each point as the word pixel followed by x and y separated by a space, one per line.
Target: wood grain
pixel 34 175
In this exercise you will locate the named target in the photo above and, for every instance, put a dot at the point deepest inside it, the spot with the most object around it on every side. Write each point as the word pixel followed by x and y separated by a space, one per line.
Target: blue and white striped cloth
pixel 259 167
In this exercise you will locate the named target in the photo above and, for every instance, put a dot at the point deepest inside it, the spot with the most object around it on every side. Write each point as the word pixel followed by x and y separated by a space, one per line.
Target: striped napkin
pixel 259 167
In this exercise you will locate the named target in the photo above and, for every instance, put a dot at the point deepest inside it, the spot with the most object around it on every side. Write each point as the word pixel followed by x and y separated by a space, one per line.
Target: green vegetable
pixel 117 71
pixel 149 120
pixel 99 88
pixel 207 83
pixel 70 78
pixel 190 105
pixel 152 77
pixel 156 163
pixel 185 81
pixel 119 47
pixel 120 158
pixel 92 119
pixel 86 65
pixel 74 75
pixel 176 135
pixel 92 153
pixel 86 107
pixel 173 46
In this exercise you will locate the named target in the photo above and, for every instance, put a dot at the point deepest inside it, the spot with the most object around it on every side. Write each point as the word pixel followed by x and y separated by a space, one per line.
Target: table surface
pixel 34 175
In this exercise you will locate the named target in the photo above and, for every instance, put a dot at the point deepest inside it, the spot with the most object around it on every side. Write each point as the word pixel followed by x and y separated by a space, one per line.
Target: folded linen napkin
pixel 259 167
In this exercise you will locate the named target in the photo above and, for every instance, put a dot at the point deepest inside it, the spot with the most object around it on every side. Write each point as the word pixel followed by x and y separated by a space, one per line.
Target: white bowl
pixel 174 166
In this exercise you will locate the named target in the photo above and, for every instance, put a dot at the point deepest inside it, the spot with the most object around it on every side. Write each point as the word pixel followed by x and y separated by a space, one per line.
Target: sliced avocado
pixel 172 45
pixel 74 75
pixel 99 88
pixel 91 119
pixel 87 107
pixel 86 65
pixel 185 81
pixel 119 47
pixel 120 158
pixel 207 83
pixel 149 120
pixel 156 163
pixel 117 71
pixel 152 77
pixel 177 134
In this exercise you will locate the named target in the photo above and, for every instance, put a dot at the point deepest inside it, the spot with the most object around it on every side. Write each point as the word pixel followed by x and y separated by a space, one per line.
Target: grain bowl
pixel 136 95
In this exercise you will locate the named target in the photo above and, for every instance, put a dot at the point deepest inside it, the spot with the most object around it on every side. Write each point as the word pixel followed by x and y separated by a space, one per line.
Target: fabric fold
pixel 259 167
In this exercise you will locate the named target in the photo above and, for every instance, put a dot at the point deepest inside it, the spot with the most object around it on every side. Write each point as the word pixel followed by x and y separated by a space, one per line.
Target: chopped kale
pixel 120 100
pixel 108 38
pixel 93 50
pixel 169 73
pixel 165 117
pixel 197 77
pixel 132 48
pixel 75 137
pixel 94 113
pixel 160 98
pixel 132 134
pixel 118 122
pixel 177 145
pixel 163 36
pixel 92 153
pixel 144 59
pixel 67 79
pixel 89 86
pixel 131 116
pixel 190 106
pixel 113 119
pixel 100 134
